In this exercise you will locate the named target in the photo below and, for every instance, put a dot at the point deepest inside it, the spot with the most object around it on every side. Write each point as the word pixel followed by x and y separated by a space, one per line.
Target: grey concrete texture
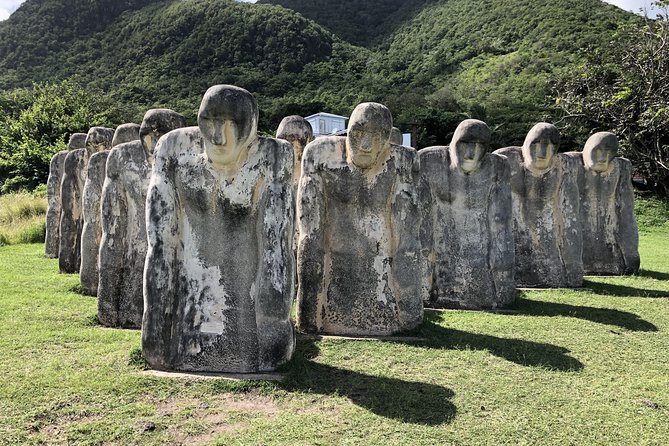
pixel 91 232
pixel 52 237
pixel 610 232
pixel 358 257
pixel 467 222
pixel 98 140
pixel 547 227
pixel 123 245
pixel 53 188
pixel 218 284
pixel 71 220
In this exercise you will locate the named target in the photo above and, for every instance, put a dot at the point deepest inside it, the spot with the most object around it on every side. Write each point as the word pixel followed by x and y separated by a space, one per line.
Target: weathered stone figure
pixel 298 132
pixel 52 241
pixel 72 186
pixel 610 233
pixel 359 270
pixel 91 231
pixel 123 244
pixel 219 269
pixel 467 227
pixel 547 228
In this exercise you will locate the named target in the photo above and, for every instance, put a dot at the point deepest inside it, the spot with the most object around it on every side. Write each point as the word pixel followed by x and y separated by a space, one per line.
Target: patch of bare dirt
pixel 213 415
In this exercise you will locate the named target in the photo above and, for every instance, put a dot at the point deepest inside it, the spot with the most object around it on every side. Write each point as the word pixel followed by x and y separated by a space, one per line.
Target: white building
pixel 326 123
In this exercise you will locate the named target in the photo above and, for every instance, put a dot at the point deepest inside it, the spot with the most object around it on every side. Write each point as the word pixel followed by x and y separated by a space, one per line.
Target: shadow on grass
pixel 606 316
pixel 610 289
pixel 406 401
pixel 526 353
pixel 653 274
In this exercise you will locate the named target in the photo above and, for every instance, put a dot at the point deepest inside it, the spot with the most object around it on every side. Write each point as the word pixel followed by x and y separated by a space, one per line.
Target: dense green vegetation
pixel 433 62
pixel 36 123
pixel 565 367
pixel 624 87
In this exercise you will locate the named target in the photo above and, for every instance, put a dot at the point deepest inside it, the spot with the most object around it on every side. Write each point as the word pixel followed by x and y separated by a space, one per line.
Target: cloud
pixel 4 13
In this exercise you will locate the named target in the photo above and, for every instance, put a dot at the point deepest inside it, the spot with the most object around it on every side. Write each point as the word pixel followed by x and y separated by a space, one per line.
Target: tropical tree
pixel 624 88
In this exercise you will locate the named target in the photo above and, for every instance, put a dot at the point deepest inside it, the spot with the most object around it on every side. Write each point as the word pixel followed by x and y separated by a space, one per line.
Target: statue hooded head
pixel 298 132
pixel 599 150
pixel 470 142
pixel 228 121
pixel 368 134
pixel 156 123
pixel 99 139
pixel 541 144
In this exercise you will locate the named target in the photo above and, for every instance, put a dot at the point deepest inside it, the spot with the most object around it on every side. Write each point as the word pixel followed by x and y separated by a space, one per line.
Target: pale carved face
pixel 541 143
pixel 470 142
pixel 228 122
pixel 599 150
pixel 368 134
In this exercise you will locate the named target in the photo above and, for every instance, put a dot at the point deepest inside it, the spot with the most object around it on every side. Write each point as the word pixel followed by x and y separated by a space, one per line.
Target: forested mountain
pixel 365 23
pixel 433 62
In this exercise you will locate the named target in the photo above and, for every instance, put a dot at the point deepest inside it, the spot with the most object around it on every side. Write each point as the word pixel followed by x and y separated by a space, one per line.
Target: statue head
pixel 297 131
pixel 599 150
pixel 77 141
pixel 541 143
pixel 368 134
pixel 99 139
pixel 470 142
pixel 125 133
pixel 155 124
pixel 228 120
pixel 396 136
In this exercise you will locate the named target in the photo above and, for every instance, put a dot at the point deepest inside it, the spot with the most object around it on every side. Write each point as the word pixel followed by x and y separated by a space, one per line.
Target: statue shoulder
pixel 325 152
pixel 179 142
pixel 513 153
pixel 434 154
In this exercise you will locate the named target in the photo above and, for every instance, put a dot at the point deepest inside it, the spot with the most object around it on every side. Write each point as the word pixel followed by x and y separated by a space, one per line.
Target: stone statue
pixel 610 233
pixel 218 279
pixel 358 257
pixel 467 224
pixel 72 186
pixel 547 228
pixel 396 136
pixel 91 231
pixel 298 132
pixel 123 244
pixel 52 240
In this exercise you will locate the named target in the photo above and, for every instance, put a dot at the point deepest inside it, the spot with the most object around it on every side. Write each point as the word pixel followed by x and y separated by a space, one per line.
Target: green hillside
pixel 364 23
pixel 433 62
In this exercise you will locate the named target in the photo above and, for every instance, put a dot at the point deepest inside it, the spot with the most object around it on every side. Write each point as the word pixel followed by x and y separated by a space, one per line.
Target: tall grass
pixel 22 218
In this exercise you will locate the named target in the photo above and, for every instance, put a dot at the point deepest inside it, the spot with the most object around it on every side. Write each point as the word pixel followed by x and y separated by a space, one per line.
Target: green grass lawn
pixel 568 367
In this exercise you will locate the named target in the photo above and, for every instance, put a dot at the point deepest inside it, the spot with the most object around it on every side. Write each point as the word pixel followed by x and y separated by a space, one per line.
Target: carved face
pixel 599 150
pixel 228 120
pixel 156 123
pixel 470 142
pixel 298 132
pixel 368 134
pixel 541 143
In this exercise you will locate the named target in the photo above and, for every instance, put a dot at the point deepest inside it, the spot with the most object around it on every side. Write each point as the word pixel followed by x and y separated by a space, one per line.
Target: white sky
pixel 9 6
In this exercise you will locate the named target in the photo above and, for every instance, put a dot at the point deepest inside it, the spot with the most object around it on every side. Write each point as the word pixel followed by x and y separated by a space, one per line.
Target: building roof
pixel 326 115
